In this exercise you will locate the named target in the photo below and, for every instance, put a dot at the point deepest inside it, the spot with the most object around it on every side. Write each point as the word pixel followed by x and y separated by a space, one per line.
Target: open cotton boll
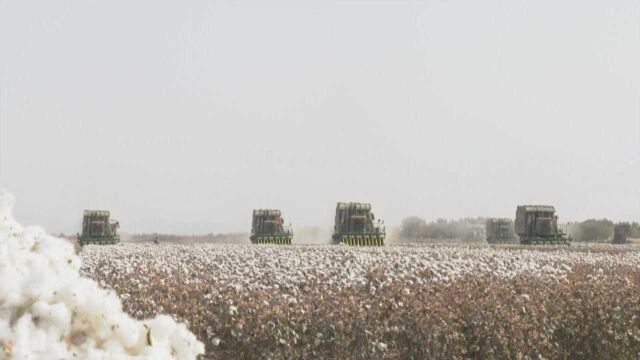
pixel 47 311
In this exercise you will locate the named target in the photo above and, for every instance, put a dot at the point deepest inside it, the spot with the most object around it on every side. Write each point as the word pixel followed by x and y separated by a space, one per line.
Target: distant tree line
pixel 415 229
pixel 598 230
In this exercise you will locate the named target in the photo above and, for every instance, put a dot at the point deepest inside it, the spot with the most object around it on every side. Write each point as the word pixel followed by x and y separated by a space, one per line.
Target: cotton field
pixel 440 301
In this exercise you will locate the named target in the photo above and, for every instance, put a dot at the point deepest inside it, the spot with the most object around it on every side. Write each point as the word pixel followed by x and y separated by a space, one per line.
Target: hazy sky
pixel 183 116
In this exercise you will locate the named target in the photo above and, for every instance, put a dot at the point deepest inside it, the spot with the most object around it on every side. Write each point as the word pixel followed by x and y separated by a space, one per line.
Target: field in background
pixel 230 238
pixel 440 301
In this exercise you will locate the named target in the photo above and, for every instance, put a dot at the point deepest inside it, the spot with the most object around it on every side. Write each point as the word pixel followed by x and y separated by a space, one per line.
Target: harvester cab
pixel 268 227
pixel 538 225
pixel 621 232
pixel 356 225
pixel 98 228
pixel 500 231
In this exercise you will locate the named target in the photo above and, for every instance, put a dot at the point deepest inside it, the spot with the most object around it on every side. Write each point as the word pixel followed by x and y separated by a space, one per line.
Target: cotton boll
pixel 182 341
pixel 128 332
pixel 10 293
pixel 160 327
pixel 56 315
pixel 8 225
pixel 47 311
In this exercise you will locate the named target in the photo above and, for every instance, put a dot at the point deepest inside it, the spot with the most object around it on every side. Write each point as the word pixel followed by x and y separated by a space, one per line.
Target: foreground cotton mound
pixel 47 311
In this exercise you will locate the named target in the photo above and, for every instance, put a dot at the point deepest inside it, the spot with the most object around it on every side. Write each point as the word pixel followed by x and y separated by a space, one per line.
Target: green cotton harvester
pixel 268 227
pixel 500 231
pixel 356 225
pixel 98 228
pixel 538 225
pixel 621 233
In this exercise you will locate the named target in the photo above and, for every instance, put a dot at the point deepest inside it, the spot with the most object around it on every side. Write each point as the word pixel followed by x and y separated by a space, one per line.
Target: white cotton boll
pixel 5 328
pixel 10 293
pixel 8 225
pixel 56 315
pixel 47 311
pixel 161 327
pixel 60 316
pixel 27 240
pixel 128 332
pixel 183 341
pixel 382 347
pixel 30 342
pixel 176 339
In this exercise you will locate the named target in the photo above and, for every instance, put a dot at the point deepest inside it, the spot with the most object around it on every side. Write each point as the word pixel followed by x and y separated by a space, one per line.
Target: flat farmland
pixel 436 301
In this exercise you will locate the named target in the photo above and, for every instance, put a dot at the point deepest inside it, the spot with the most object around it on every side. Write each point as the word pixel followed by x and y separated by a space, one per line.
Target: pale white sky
pixel 184 116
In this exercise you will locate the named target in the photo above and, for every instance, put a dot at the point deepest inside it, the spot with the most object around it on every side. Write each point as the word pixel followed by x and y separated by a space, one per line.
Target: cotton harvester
pixel 98 228
pixel 538 225
pixel 355 224
pixel 500 231
pixel 268 227
pixel 621 232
